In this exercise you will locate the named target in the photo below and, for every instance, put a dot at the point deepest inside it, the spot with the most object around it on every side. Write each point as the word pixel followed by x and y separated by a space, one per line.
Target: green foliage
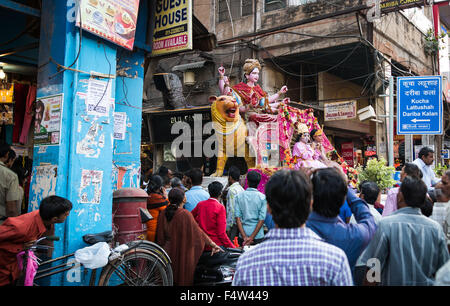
pixel 440 170
pixel 431 42
pixel 377 171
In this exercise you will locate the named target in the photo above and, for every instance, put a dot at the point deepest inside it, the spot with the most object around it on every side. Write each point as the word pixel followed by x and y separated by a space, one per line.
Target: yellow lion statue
pixel 231 132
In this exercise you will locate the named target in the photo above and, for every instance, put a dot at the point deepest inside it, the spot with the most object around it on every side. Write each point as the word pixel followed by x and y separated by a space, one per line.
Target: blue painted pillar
pixel 128 110
pixel 77 164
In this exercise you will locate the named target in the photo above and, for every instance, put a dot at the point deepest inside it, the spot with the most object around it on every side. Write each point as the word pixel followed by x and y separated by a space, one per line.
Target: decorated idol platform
pixel 266 131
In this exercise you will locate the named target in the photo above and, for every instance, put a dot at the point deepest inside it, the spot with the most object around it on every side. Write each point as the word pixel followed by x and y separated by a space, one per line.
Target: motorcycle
pixel 217 270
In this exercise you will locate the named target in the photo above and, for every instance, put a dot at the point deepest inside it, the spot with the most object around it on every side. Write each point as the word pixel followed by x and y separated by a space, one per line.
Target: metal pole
pixel 391 122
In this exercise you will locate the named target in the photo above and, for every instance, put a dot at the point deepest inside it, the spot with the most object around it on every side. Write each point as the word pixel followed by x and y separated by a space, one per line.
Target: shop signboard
pixel 47 123
pixel 340 110
pixel 419 105
pixel 396 5
pixel 162 124
pixel 445 154
pixel 173 27
pixel 113 20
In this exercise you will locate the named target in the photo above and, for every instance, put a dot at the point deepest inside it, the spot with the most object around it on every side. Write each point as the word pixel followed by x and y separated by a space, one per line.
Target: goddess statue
pixel 306 155
pixel 255 104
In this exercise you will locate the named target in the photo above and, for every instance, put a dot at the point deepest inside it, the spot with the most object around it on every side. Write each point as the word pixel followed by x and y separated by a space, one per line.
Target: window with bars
pixel 271 5
pixel 237 8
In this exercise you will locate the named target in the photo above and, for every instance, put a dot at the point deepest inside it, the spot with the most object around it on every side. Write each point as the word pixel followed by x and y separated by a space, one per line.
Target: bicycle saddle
pixel 96 238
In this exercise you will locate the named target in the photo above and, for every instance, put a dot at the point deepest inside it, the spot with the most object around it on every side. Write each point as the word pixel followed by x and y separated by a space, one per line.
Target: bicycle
pixel 137 263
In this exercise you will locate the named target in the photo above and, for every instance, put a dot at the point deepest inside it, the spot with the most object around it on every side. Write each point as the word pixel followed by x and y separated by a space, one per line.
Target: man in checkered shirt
pixel 292 254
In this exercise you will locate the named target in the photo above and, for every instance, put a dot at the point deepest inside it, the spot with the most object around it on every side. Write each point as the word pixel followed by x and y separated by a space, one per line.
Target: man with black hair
pixel 234 175
pixel 409 247
pixel 292 254
pixel 330 190
pixel 211 217
pixel 424 162
pixel 17 233
pixel 251 210
pixel 9 186
pixel 371 193
pixel 196 193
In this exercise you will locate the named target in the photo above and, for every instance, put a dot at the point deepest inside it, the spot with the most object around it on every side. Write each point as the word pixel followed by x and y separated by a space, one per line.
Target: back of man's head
pixel 53 207
pixel 253 179
pixel 411 169
pixel 215 189
pixel 370 192
pixel 234 173
pixel 163 171
pixel 196 176
pixel 12 155
pixel 289 193
pixel 330 191
pixel 4 150
pixel 414 191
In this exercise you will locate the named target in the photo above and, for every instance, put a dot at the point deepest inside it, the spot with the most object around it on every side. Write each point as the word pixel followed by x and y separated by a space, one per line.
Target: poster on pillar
pixel 173 27
pixel 47 123
pixel 113 20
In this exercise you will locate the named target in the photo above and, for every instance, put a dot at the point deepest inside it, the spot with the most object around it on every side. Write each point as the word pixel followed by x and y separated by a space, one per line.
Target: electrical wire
pixel 109 79
pixel 79 48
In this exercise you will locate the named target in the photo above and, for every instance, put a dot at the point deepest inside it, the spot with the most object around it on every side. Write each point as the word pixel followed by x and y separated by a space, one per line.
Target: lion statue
pixel 231 132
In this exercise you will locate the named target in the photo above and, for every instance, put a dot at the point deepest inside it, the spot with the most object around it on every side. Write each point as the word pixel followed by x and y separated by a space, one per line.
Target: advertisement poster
pixel 173 27
pixel 120 125
pixel 98 98
pixel 47 123
pixel 347 153
pixel 340 110
pixel 114 20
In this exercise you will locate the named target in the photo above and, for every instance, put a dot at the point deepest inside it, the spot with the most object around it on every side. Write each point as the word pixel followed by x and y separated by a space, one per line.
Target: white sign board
pixel 340 110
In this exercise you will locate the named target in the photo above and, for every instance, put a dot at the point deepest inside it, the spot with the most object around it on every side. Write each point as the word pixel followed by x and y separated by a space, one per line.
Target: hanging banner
pixel 47 123
pixel 340 110
pixel 113 20
pixel 173 27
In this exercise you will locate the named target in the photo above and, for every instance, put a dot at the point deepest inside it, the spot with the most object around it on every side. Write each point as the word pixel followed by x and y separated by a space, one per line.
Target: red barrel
pixel 126 214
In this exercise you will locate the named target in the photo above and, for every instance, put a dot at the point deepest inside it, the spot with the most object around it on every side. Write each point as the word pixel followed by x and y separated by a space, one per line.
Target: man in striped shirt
pixel 407 248
pixel 292 254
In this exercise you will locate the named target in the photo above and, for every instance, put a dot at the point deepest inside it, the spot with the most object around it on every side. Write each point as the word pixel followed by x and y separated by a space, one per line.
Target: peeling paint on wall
pixel 43 184
pixel 90 145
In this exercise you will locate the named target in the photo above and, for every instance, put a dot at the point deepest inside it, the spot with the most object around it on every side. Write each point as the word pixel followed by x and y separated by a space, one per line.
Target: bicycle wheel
pixel 159 252
pixel 137 267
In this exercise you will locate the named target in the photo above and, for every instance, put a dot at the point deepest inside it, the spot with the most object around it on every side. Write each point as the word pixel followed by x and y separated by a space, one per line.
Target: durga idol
pixel 254 103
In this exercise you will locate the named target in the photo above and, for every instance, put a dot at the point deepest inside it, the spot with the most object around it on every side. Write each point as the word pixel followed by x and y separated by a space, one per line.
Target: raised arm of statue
pixel 274 97
pixel 224 83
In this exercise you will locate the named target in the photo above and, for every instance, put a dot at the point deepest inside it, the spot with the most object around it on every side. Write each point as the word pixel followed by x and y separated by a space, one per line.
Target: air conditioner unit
pixel 366 113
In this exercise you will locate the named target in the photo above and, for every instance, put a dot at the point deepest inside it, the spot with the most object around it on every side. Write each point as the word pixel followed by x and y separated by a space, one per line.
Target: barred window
pixel 271 5
pixel 247 7
pixel 237 8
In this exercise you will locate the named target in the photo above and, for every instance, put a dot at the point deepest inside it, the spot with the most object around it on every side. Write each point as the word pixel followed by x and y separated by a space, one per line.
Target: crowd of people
pixel 294 234
pixel 297 232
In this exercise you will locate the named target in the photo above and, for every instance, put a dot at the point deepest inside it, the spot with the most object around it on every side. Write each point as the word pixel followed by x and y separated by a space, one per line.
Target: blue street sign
pixel 419 105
